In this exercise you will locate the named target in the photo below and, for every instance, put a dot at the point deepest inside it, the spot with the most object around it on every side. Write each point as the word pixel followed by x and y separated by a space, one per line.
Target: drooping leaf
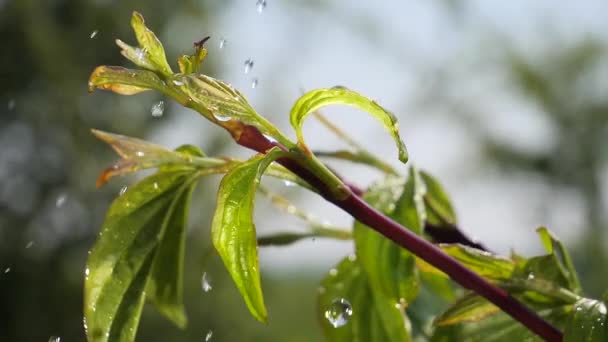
pixel 119 264
pixel 233 232
pixel 587 322
pixel 319 98
pixel 484 263
pixel 152 48
pixel 468 308
pixel 372 318
pixel 124 81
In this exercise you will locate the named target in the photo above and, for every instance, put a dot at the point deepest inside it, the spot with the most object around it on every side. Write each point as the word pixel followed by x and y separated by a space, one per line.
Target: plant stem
pixel 363 212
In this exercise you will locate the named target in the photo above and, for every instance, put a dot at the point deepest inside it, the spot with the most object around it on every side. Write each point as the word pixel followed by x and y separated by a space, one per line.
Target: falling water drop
pixel 158 109
pixel 54 339
pixel 94 34
pixel 248 65
pixel 206 283
pixel 223 43
pixel 8 269
pixel 254 83
pixel 339 312
pixel 11 104
pixel 123 190
pixel 261 5
pixel 60 201
pixel 29 245
pixel 208 336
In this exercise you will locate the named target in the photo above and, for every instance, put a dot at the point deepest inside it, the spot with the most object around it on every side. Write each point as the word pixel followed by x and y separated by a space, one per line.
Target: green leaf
pixel 191 64
pixel 373 318
pixel 391 270
pixel 319 98
pixel 437 202
pixel 165 286
pixel 124 81
pixel 152 49
pixel 556 248
pixel 587 322
pixel 484 263
pixel 409 208
pixel 120 262
pixel 233 231
pixel 469 308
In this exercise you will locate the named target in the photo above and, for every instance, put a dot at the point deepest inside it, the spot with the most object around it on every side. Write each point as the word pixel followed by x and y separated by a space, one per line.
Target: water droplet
pixel 289 183
pixel 530 276
pixel 339 312
pixel 8 269
pixel 352 257
pixel 178 83
pixel 141 53
pixel 221 118
pixel 54 339
pixel 29 245
pixel 11 104
pixel 60 201
pixel 333 272
pixel 155 186
pixel 158 109
pixel 261 5
pixel 87 271
pixel 208 336
pixel 140 153
pixel 254 83
pixel 248 65
pixel 123 190
pixel 94 34
pixel 223 43
pixel 206 283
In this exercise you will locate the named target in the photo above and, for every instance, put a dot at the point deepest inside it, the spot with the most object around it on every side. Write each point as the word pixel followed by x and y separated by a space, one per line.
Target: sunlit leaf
pixel 484 263
pixel 587 322
pixel 124 81
pixel 371 320
pixel 119 264
pixel 319 98
pixel 469 308
pixel 233 231
pixel 556 248
pixel 151 47
pixel 191 64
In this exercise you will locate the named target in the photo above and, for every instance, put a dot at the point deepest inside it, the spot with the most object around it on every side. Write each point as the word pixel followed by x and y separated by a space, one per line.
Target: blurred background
pixel 504 102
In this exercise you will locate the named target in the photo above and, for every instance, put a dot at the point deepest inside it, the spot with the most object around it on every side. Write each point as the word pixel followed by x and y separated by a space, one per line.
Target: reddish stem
pixel 364 213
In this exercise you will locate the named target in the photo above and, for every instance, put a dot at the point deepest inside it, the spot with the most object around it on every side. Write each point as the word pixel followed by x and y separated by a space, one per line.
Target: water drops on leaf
pixel 141 53
pixel 261 5
pixel 140 153
pixel 208 336
pixel 93 34
pixel 223 43
pixel 158 109
pixel 248 64
pixel 60 201
pixel 221 118
pixel 254 83
pixel 123 190
pixel 339 312
pixel 206 283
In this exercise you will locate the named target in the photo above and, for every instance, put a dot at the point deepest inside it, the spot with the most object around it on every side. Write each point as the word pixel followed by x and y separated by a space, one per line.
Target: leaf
pixel 191 64
pixel 484 263
pixel 437 202
pixel 151 47
pixel 316 99
pixel 233 231
pixel 562 257
pixel 587 322
pixel 391 270
pixel 139 154
pixel 469 308
pixel 119 264
pixel 124 81
pixel 165 286
pixel 371 320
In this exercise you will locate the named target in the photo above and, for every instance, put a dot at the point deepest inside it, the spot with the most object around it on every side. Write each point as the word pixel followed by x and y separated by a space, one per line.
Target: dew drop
pixel 123 190
pixel 60 201
pixel 254 83
pixel 339 312
pixel 141 53
pixel 87 271
pixel 8 269
pixel 206 283
pixel 178 83
pixel 29 245
pixel 54 339
pixel 223 43
pixel 158 109
pixel 94 34
pixel 208 336
pixel 248 65
pixel 261 5
pixel 221 118
pixel 11 104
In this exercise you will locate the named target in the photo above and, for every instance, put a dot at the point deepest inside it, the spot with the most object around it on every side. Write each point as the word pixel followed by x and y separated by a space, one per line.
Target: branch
pixel 251 138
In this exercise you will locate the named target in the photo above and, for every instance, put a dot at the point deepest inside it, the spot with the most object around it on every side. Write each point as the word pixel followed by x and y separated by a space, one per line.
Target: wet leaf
pixel 587 322
pixel 373 318
pixel 233 231
pixel 124 81
pixel 469 308
pixel 121 260
pixel 319 98
pixel 556 248
pixel 191 64
pixel 152 48
pixel 484 263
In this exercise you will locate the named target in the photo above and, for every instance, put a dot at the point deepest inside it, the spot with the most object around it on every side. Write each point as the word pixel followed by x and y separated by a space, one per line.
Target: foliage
pixel 140 251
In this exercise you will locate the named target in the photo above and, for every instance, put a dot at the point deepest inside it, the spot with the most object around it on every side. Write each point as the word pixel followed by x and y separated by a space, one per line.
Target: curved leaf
pixel 469 308
pixel 119 264
pixel 562 258
pixel 319 98
pixel 152 49
pixel 233 232
pixel 484 263
pixel 373 318
pixel 587 322
pixel 124 81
